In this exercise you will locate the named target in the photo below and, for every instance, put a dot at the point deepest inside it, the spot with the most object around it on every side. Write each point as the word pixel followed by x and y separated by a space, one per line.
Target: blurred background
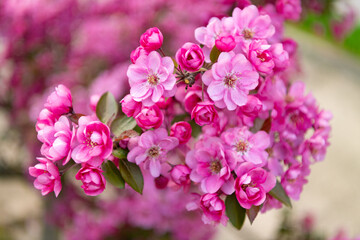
pixel 86 44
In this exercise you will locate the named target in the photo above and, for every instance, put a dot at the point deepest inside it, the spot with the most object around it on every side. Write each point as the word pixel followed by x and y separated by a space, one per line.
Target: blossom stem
pixel 162 53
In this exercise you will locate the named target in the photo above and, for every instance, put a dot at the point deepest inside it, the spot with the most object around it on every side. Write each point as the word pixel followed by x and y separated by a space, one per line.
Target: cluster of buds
pixel 221 120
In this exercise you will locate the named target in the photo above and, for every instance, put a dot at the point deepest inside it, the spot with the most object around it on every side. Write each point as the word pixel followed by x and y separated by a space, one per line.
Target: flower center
pixel 264 56
pixel 215 166
pixel 248 34
pixel 230 80
pixel 152 79
pixel 154 152
pixel 89 140
pixel 245 186
pixel 241 146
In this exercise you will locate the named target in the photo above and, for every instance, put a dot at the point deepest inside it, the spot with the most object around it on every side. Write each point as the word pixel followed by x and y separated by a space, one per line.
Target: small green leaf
pixel 122 124
pixel 196 129
pixel 120 153
pixel 279 193
pixel 234 211
pixel 112 174
pixel 253 212
pixel 179 118
pixel 214 54
pixel 132 175
pixel 107 107
pixel 175 63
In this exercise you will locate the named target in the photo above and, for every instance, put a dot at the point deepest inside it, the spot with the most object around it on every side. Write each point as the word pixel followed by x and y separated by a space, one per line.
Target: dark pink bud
pixel 182 131
pixel 149 117
pixel 190 57
pixel 129 106
pixel 204 113
pixel 152 39
pixel 161 182
pixel 139 51
pixel 225 42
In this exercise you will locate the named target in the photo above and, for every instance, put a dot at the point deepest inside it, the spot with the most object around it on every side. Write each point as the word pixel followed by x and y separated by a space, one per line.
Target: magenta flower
pixel 293 180
pixel 213 208
pixel 47 177
pixel 129 106
pixel 180 174
pixel 225 42
pixel 252 184
pixel 149 117
pixel 45 119
pixel 139 51
pixel 190 57
pixel 60 101
pixel 230 81
pixel 151 149
pixel 93 181
pixel 280 56
pixel 151 39
pixel 290 9
pixel 182 131
pixel 211 166
pixel 251 25
pixel 151 77
pixel 247 146
pixel 260 56
pixel 94 142
pixel 204 113
pixel 192 97
pixel 57 140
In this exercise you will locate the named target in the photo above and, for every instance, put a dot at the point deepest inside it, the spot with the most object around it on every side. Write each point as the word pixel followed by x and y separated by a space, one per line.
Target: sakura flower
pixel 204 113
pixel 129 106
pixel 190 57
pixel 211 166
pixel 260 56
pixel 180 174
pixel 46 118
pixel 93 181
pixel 47 177
pixel 152 149
pixel 57 140
pixel 60 101
pixel 139 51
pixel 94 143
pixel 182 131
pixel 252 184
pixel 315 146
pixel 150 78
pixel 293 180
pixel 230 81
pixel 251 25
pixel 290 9
pixel 225 42
pixel 152 39
pixel 213 208
pixel 149 117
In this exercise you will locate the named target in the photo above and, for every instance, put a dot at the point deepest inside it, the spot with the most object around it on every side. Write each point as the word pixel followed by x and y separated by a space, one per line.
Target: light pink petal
pixel 216 90
pixel 140 90
pixel 157 93
pixel 155 168
pixel 259 158
pixel 170 82
pixel 169 143
pixel 212 184
pixel 238 97
pixel 260 140
pixel 228 101
pixel 228 187
pixel 136 151
pixel 154 61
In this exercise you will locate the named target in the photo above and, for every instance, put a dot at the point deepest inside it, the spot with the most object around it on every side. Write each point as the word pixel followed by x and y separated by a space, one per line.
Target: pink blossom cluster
pixel 222 118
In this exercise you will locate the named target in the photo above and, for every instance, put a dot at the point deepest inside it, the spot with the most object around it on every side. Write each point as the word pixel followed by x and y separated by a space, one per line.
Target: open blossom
pixel 93 181
pixel 251 25
pixel 57 140
pixel 190 57
pixel 45 119
pixel 151 149
pixel 151 77
pixel 252 184
pixel 204 113
pixel 180 174
pixel 247 146
pixel 213 208
pixel 294 179
pixel 280 56
pixel 260 56
pixel 182 131
pixel 152 39
pixel 230 81
pixel 47 177
pixel 211 166
pixel 149 117
pixel 94 142
pixel 60 101
pixel 290 9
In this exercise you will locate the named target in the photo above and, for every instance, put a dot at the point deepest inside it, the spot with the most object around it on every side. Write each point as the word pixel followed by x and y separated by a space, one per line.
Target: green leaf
pixel 214 54
pixel 120 153
pixel 107 107
pixel 279 193
pixel 234 211
pixel 112 174
pixel 122 124
pixel 253 212
pixel 132 175
pixel 196 129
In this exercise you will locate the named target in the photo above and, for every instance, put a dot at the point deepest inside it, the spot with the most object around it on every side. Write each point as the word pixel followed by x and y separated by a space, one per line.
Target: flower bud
pixel 139 51
pixel 60 101
pixel 152 39
pixel 93 181
pixel 182 131
pixel 225 42
pixel 161 182
pixel 180 174
pixel 149 117
pixel 204 113
pixel 129 106
pixel 190 57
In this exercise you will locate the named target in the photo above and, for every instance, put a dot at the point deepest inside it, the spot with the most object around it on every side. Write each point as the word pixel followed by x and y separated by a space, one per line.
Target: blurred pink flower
pixel 93 181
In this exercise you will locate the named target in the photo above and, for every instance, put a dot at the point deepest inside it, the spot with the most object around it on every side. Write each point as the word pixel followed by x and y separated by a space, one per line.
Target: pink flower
pixel 290 9
pixel 225 42
pixel 280 56
pixel 213 208
pixel 47 177
pixel 247 146
pixel 93 181
pixel 251 25
pixel 150 78
pixel 190 57
pixel 204 113
pixel 129 106
pixel 57 140
pixel 192 97
pixel 182 131
pixel 45 119
pixel 230 80
pixel 315 146
pixel 260 56
pixel 252 107
pixel 152 39
pixel 60 101
pixel 293 180
pixel 149 117
pixel 139 51
pixel 152 149
pixel 180 174
pixel 252 184
pixel 211 166
pixel 94 142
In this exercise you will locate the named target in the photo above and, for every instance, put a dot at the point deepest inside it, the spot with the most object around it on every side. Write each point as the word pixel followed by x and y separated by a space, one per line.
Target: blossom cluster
pixel 220 120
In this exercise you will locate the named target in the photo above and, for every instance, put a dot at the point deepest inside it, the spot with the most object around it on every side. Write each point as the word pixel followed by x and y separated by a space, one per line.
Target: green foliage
pixel 107 107
pixel 132 175
pixel 112 174
pixel 234 211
